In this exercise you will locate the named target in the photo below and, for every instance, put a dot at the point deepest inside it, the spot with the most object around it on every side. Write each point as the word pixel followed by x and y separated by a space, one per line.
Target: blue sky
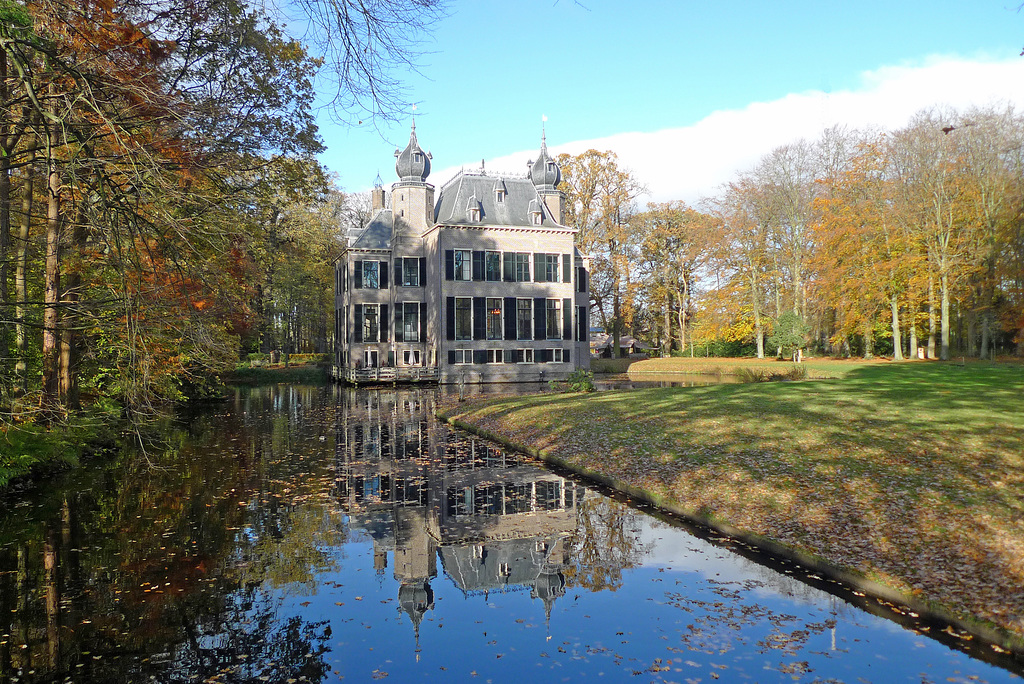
pixel 707 85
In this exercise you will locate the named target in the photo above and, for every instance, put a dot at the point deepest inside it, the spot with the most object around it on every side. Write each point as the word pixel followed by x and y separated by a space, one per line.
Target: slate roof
pixel 469 187
pixel 377 233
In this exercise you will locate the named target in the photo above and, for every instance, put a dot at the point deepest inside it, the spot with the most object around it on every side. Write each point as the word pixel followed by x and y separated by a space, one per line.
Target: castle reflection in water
pixel 424 492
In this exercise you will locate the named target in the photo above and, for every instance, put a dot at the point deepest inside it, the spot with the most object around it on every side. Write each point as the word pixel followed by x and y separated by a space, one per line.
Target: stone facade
pixel 483 284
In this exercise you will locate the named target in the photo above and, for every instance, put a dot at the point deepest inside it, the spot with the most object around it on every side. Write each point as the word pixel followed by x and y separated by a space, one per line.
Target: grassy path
pixel 909 474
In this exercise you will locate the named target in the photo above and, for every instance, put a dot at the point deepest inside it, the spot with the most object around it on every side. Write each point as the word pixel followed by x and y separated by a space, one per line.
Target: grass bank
pixel 310 374
pixel 813 368
pixel 910 475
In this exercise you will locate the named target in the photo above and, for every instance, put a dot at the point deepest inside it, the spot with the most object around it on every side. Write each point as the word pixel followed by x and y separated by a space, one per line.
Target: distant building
pixel 601 345
pixel 482 284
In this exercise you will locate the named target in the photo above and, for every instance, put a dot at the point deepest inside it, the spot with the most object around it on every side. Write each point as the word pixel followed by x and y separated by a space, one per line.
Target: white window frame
pixel 553 332
pixel 487 261
pixel 463 357
pixel 556 355
pixel 499 333
pixel 522 262
pixel 495 356
pixel 415 272
pixel 529 322
pixel 415 337
pixel 366 264
pixel 463 271
pixel 376 309
pixel 467 334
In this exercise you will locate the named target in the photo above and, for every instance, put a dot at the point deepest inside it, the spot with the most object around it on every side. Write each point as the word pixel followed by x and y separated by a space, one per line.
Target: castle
pixel 481 284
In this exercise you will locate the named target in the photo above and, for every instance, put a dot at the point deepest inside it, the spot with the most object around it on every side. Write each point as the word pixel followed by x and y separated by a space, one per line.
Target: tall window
pixel 371 321
pixel 494 318
pixel 524 319
pixel 411 272
pixel 554 319
pixel 463 264
pixel 522 267
pixel 493 266
pixel 463 318
pixel 371 274
pixel 550 264
pixel 410 321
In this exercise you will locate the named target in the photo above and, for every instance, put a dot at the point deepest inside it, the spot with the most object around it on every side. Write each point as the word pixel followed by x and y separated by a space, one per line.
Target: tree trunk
pixel 985 350
pixel 944 329
pixel 20 271
pixel 897 341
pixel 869 340
pixel 912 329
pixel 50 401
pixel 70 338
pixel 666 343
pixel 681 320
pixel 931 318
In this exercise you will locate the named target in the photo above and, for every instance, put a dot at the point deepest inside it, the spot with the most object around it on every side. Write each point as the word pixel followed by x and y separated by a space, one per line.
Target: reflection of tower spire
pixel 549 585
pixel 415 599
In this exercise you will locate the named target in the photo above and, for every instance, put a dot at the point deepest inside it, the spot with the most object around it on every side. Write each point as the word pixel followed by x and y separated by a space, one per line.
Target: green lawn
pixel 911 474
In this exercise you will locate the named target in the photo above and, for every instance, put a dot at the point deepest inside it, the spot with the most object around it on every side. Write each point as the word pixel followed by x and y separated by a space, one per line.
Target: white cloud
pixel 690 162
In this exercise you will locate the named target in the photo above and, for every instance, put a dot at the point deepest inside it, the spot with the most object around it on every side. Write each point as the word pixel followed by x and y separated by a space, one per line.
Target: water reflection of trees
pixel 162 563
pixel 606 541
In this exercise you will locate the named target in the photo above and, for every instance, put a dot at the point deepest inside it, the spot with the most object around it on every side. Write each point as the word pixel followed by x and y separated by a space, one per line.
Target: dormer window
pixel 417 157
pixel 537 217
pixel 474 214
pixel 499 196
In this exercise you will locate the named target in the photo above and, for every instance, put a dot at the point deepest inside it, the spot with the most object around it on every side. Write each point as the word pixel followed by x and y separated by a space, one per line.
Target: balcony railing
pixel 368 376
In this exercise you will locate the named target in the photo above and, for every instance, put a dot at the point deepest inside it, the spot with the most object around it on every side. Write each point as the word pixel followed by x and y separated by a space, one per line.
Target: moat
pixel 326 534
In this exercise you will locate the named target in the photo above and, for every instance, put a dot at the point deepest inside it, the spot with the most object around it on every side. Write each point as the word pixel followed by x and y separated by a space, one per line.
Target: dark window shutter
pixel 423 321
pixel 540 312
pixel 509 356
pixel 566 268
pixel 520 355
pixel 478 265
pixel 566 319
pixel 583 325
pixel 510 318
pixel 399 323
pixel 583 279
pixel 423 271
pixel 565 356
pixel 509 267
pixel 357 275
pixel 391 361
pixel 383 321
pixel 542 355
pixel 383 275
pixel 479 318
pixel 357 333
pixel 539 274
pixel 479 356
pixel 399 272
pixel 450 318
pixel 449 264
pixel 451 356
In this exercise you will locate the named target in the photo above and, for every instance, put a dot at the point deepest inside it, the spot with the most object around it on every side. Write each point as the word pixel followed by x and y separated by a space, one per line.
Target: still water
pixel 321 534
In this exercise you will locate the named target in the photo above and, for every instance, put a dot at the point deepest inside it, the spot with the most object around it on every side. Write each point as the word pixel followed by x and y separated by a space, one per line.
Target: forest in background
pixel 161 207
pixel 858 243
